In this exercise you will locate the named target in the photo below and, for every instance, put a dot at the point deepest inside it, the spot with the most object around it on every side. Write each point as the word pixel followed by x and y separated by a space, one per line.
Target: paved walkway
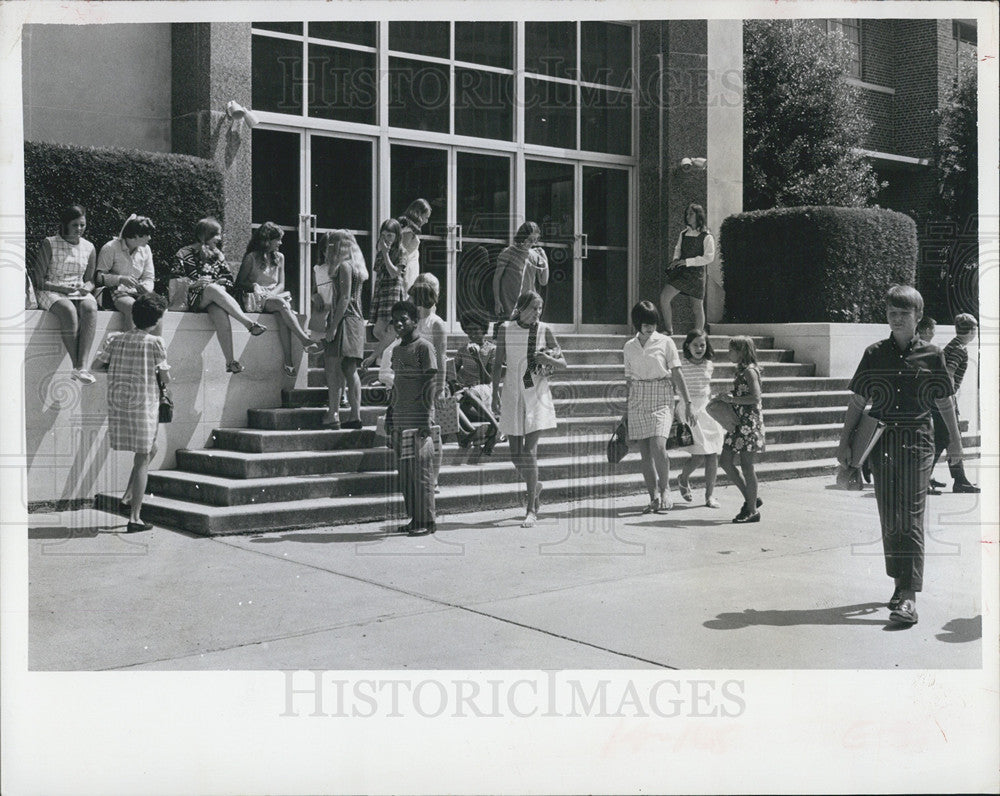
pixel 594 585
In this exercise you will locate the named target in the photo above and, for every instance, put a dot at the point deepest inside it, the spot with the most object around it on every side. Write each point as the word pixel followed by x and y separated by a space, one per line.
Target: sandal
pixel 711 502
pixel 653 507
pixel 289 370
pixel 529 520
pixel 257 329
pixel 234 367
pixel 685 488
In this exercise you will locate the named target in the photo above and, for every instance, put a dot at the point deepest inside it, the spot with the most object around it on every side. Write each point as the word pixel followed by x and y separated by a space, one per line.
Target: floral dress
pixel 204 266
pixel 749 432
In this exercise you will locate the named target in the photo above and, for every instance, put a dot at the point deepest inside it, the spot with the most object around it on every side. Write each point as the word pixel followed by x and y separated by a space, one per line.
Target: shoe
pixel 905 613
pixel 895 600
pixel 330 420
pixel 257 329
pixel 712 503
pixel 83 376
pixel 289 370
pixel 422 530
pixel 135 527
pixel 529 520
pixel 315 347
pixel 653 507
pixel 234 367
pixel 937 484
pixel 970 489
pixel 355 424
pixel 933 491
pixel 742 518
pixel 685 488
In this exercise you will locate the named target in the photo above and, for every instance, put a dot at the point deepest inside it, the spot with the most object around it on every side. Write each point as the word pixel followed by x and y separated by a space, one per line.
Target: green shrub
pixel 173 190
pixel 813 264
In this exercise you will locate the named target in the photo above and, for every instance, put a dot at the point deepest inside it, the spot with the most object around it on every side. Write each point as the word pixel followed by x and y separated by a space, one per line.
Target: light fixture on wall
pixel 239 115
pixel 694 164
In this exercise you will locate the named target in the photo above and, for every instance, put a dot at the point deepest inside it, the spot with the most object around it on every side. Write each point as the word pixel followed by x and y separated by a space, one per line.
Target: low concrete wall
pixel 66 424
pixel 836 349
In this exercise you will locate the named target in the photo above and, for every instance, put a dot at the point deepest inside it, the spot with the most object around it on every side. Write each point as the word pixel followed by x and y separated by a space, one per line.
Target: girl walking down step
pixel 748 437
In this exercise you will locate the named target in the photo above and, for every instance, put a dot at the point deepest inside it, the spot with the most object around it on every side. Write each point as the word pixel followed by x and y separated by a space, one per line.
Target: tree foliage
pixel 801 119
pixel 956 153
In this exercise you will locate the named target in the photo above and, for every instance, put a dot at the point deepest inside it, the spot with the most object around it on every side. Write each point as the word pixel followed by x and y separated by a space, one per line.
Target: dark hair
pixel 207 228
pixel 471 320
pixel 148 309
pixel 644 312
pixel 262 236
pixel 747 350
pixel 526 230
pixel 423 294
pixel 392 225
pixel 699 216
pixel 70 213
pixel 693 335
pixel 525 300
pixel 965 323
pixel 407 307
pixel 137 227
pixel 926 324
pixel 905 297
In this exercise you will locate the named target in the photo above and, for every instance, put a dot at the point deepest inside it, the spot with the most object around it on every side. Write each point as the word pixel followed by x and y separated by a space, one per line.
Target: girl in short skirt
pixel 652 372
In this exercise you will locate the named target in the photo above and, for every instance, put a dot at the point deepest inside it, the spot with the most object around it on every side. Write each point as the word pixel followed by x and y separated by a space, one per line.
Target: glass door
pixel 549 201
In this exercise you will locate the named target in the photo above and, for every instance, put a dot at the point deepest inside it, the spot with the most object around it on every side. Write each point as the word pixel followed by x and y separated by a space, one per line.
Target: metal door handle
pixel 312 228
pixel 584 248
pixel 458 237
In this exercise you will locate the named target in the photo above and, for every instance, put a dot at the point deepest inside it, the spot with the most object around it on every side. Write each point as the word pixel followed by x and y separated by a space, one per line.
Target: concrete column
pixel 211 66
pixel 725 142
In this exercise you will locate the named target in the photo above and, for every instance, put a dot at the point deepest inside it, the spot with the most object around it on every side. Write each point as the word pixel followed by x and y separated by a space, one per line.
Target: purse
pixel 723 413
pixel 166 413
pixel 680 435
pixel 618 444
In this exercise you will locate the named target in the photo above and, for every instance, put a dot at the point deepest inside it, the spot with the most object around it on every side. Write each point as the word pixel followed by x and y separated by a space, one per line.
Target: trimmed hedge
pixel 173 190
pixel 813 264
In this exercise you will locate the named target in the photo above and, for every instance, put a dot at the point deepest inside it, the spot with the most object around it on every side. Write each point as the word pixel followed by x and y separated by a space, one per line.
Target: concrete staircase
pixel 285 471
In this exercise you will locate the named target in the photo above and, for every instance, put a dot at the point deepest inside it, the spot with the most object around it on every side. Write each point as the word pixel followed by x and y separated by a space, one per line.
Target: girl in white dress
pixel 708 435
pixel 530 352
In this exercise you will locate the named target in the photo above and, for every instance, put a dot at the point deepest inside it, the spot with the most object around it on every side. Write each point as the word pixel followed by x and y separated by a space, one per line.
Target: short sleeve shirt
pixel 651 361
pixel 411 363
pixel 902 384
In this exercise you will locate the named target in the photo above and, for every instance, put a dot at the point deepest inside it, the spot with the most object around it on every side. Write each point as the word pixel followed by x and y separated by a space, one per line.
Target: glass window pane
pixel 276 75
pixel 606 53
pixel 352 32
pixel 488 43
pixel 548 201
pixel 483 196
pixel 344 84
pixel 606 121
pixel 604 292
pixel 549 113
pixel 419 95
pixel 550 48
pixel 275 181
pixel 474 279
pixel 605 206
pixel 484 105
pixel 294 28
pixel 422 38
pixel 341 188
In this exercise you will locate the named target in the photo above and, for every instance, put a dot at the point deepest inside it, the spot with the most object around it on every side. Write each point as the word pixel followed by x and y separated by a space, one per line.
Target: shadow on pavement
pixel 960 631
pixel 66 532
pixel 837 615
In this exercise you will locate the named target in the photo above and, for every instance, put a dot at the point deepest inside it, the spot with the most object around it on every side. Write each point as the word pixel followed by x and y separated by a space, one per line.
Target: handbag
pixel 177 294
pixel 722 413
pixel 680 435
pixel 166 413
pixel 446 414
pixel 618 444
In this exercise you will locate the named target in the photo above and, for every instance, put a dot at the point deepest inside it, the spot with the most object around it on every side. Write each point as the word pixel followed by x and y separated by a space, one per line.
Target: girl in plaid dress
pixel 652 372
pixel 64 281
pixel 748 436
pixel 389 287
pixel 136 363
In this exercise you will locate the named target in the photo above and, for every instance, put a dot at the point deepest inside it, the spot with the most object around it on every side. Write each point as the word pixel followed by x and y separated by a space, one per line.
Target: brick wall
pixel 878 52
pixel 916 54
pixel 878 107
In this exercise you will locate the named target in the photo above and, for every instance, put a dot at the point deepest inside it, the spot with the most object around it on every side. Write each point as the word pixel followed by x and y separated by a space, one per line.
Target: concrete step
pixel 575 342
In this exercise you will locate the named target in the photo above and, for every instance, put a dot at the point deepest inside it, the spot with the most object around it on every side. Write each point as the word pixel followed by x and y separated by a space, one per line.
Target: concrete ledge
pixel 836 349
pixel 66 447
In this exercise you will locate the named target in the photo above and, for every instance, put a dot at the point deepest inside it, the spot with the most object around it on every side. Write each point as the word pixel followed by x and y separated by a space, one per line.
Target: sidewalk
pixel 594 586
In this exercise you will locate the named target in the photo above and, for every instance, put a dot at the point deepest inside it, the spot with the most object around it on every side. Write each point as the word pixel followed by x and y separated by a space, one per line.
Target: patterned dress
pixel 523 410
pixel 388 290
pixel 133 393
pixel 749 432
pixel 348 338
pixel 203 266
pixel 66 268
pixel 708 435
